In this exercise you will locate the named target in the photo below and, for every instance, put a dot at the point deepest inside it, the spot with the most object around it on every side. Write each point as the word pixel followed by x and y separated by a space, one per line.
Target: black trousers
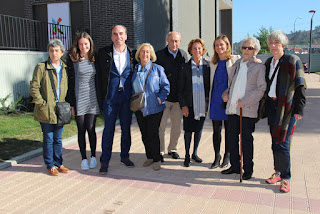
pixel 248 127
pixel 149 128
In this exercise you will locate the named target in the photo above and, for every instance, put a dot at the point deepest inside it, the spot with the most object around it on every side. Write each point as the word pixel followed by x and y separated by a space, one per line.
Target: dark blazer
pixel 171 67
pixel 185 84
pixel 104 62
pixel 71 97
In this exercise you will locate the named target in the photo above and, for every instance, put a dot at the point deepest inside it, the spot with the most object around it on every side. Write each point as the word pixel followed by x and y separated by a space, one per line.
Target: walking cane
pixel 241 157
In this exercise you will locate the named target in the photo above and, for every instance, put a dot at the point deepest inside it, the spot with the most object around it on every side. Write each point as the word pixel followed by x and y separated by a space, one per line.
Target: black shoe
pixel 186 162
pixel 127 162
pixel 174 155
pixel 104 169
pixel 216 162
pixel 246 176
pixel 226 159
pixel 196 158
pixel 161 158
pixel 230 171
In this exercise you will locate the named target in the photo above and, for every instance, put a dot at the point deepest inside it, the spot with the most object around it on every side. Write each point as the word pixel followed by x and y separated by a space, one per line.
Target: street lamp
pixel 294 31
pixel 309 65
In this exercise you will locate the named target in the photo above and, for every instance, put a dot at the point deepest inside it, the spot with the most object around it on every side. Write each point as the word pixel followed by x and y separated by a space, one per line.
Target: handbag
pixel 262 113
pixel 63 109
pixel 137 100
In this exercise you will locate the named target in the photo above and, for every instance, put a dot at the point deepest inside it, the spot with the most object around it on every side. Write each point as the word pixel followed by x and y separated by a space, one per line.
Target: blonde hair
pixel 194 41
pixel 215 59
pixel 152 53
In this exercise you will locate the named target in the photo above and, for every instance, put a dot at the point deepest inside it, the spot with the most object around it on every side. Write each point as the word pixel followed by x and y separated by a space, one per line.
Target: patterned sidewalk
pixel 27 188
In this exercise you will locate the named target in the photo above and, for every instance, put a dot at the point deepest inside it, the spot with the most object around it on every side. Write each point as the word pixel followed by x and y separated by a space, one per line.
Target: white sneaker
pixel 85 164
pixel 93 162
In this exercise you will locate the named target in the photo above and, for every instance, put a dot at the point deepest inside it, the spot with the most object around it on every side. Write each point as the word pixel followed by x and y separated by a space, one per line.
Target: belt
pixel 274 98
pixel 120 89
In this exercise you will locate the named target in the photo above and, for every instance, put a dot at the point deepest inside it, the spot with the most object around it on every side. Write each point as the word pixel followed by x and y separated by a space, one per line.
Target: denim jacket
pixel 157 86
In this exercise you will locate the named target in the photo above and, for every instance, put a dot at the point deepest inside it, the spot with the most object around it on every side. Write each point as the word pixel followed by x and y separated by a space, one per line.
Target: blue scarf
pixel 198 90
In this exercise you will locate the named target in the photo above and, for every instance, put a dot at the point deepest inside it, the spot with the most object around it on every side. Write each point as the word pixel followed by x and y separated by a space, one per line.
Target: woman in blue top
pixel 156 91
pixel 221 64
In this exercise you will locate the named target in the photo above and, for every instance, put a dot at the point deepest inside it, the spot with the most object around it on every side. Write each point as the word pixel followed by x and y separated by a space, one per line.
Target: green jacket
pixel 42 93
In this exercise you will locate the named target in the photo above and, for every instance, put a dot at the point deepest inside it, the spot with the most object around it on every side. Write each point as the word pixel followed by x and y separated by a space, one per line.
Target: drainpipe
pixel 90 18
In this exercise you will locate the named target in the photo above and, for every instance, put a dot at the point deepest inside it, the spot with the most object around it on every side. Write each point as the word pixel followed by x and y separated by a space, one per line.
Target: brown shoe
pixel 156 166
pixel 53 171
pixel 63 169
pixel 148 162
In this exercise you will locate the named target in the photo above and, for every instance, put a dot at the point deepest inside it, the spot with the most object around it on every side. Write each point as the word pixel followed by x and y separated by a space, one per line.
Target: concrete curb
pixel 37 152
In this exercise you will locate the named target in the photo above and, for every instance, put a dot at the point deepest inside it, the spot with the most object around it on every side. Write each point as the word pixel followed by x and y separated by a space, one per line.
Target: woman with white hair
pixel 151 77
pixel 247 86
pixel 284 104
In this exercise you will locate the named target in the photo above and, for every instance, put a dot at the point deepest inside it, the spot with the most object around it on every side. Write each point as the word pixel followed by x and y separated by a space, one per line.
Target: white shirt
pixel 239 88
pixel 120 60
pixel 272 91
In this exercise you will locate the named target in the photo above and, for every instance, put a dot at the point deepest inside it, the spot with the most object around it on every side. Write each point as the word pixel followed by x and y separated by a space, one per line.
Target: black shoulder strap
pixel 52 85
pixel 273 75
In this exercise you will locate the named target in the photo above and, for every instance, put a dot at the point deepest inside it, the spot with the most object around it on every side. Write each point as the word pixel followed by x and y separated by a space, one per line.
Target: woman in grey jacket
pixel 245 91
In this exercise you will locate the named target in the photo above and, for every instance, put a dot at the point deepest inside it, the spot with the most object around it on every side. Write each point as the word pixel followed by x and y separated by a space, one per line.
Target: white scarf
pixel 239 88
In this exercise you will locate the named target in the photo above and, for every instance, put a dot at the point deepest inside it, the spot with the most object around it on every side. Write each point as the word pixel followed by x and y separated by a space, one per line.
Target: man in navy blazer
pixel 115 65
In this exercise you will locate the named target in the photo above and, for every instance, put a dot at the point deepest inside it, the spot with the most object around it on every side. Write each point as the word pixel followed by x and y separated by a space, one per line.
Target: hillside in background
pixel 302 38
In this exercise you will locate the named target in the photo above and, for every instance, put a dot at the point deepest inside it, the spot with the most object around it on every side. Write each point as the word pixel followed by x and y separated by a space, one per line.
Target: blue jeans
pixel 281 151
pixel 52 144
pixel 248 127
pixel 121 107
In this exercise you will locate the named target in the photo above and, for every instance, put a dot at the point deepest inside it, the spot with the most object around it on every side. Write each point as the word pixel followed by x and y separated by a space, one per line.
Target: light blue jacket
pixel 157 86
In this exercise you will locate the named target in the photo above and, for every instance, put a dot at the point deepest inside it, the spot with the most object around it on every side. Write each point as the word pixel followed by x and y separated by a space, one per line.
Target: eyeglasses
pixel 249 48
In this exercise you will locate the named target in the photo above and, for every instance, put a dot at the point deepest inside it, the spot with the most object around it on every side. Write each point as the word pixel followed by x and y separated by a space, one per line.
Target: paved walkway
pixel 27 188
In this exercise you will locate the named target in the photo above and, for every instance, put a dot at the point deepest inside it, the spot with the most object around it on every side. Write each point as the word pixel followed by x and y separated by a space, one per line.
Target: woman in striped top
pixel 82 94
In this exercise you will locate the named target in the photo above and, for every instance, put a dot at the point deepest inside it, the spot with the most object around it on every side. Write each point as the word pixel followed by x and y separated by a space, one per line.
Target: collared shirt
pixel 173 54
pixel 59 77
pixel 121 61
pixel 272 91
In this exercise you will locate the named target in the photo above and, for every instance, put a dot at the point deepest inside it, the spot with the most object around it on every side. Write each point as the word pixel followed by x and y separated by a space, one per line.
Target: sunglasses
pixel 249 48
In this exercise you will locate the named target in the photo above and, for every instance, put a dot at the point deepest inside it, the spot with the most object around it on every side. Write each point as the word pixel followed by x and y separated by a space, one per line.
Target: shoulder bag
pixel 63 109
pixel 137 100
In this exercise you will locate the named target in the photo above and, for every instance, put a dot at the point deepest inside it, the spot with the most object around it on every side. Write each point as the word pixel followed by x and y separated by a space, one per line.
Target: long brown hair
pixel 74 51
pixel 215 58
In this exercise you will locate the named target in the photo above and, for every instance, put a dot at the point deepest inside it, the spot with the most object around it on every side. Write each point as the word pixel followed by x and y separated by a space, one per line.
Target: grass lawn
pixel 21 133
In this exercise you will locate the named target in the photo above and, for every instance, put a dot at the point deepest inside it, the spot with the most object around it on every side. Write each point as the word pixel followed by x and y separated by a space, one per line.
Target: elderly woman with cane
pixel 284 104
pixel 247 86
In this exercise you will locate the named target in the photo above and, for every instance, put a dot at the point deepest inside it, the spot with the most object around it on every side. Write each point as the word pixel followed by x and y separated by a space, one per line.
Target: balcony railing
pixel 26 34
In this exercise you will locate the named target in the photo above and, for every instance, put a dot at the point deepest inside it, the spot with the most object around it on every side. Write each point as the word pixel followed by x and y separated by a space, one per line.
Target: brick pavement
pixel 27 188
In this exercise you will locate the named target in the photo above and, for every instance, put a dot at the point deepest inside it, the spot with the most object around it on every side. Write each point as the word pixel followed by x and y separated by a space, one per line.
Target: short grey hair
pixel 278 35
pixel 56 43
pixel 256 42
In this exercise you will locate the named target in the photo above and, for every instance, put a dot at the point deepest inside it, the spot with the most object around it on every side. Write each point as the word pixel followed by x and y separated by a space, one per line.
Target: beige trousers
pixel 175 117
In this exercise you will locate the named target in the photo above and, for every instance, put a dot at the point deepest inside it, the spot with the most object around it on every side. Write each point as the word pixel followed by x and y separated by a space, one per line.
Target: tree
pixel 262 36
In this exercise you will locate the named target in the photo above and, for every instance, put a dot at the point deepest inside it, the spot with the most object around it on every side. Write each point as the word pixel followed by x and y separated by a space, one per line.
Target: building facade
pixel 146 20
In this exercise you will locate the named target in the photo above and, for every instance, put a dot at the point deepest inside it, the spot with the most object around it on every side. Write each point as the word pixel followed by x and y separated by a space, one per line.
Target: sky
pixel 250 15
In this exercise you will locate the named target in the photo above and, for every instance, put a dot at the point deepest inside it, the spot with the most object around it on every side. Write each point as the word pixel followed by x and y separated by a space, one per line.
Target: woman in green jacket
pixel 44 100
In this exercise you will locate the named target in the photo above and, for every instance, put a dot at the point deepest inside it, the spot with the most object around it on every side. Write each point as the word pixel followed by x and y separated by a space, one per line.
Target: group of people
pixel 226 89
